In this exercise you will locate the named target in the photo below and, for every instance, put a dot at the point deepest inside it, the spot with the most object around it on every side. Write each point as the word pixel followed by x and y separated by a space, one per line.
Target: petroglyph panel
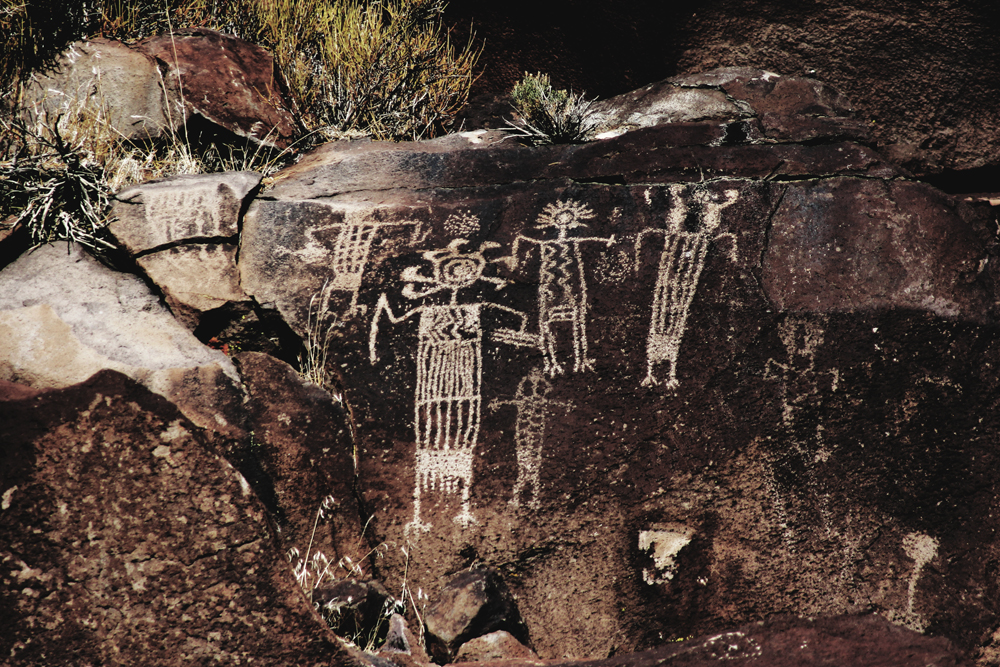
pixel 181 209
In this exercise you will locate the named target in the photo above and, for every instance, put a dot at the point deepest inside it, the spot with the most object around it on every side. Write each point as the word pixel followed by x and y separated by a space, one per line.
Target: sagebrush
pixel 550 116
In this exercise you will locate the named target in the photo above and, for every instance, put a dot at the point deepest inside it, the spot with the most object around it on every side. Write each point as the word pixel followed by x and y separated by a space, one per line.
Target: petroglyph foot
pixel 465 518
pixel 650 380
pixel 413 529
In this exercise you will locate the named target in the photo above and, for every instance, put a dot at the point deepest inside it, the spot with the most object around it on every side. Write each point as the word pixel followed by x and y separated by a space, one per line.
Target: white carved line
pixel 448 392
pixel 562 289
pixel 183 213
pixel 681 264
pixel 532 404
pixel 351 252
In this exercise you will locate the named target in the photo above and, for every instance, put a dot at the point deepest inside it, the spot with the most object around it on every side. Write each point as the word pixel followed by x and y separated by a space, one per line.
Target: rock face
pixel 152 89
pixel 124 540
pixel 685 377
pixel 925 77
pixel 64 316
pixel 302 443
pixel 124 86
pixel 183 233
pixel 232 83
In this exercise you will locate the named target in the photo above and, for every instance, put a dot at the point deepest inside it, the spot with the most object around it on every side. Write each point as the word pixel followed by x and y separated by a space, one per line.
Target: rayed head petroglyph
pixel 447 395
pixel 562 285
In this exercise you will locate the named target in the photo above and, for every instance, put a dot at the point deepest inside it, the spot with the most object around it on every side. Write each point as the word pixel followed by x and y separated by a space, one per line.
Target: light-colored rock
pixel 195 278
pixel 124 86
pixel 65 316
pixel 499 645
pixel 181 208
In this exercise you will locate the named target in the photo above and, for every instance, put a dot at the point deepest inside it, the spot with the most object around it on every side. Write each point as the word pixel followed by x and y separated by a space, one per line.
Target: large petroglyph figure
pixel 680 267
pixel 533 405
pixel 562 288
pixel 447 400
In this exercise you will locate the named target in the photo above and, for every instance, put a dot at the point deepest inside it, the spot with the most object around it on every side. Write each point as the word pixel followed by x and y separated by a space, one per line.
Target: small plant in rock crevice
pixel 550 116
pixel 320 327
pixel 314 569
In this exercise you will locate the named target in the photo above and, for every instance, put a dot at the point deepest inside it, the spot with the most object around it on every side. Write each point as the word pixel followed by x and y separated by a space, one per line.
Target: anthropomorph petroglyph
pixel 562 288
pixel 533 405
pixel 447 400
pixel 351 250
pixel 680 267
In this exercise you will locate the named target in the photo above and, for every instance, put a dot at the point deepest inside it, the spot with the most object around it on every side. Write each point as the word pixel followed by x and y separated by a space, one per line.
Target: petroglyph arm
pixel 383 307
pixel 510 261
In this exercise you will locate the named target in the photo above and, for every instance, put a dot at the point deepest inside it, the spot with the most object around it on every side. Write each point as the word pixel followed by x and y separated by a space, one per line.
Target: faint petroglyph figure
pixel 351 250
pixel 922 549
pixel 799 383
pixel 447 399
pixel 533 406
pixel 190 213
pixel 681 263
pixel 562 289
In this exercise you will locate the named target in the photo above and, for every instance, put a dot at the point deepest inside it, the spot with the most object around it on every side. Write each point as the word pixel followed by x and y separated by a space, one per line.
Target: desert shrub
pixel 547 115
pixel 53 190
pixel 384 68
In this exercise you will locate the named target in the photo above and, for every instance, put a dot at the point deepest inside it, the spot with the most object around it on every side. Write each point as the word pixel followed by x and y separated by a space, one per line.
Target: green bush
pixel 385 68
pixel 547 115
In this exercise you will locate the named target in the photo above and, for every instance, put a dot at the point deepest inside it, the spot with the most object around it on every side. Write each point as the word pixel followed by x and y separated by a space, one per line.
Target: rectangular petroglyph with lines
pixel 681 263
pixel 351 252
pixel 192 212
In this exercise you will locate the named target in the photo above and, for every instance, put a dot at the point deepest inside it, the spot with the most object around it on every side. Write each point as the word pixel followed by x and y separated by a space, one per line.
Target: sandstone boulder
pixel 183 232
pixel 497 645
pixel 232 83
pixel 64 316
pixel 861 641
pixel 125 540
pixel 105 78
pixel 759 106
pixel 472 603
pixel 302 445
pixel 667 382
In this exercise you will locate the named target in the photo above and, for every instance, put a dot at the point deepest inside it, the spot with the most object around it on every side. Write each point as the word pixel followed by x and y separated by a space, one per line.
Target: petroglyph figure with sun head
pixel 562 288
pixel 449 374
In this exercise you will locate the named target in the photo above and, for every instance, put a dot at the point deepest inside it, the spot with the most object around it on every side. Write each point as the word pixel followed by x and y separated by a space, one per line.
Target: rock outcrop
pixel 64 316
pixel 725 364
pixel 677 379
pixel 125 540
pixel 925 79
pixel 153 89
